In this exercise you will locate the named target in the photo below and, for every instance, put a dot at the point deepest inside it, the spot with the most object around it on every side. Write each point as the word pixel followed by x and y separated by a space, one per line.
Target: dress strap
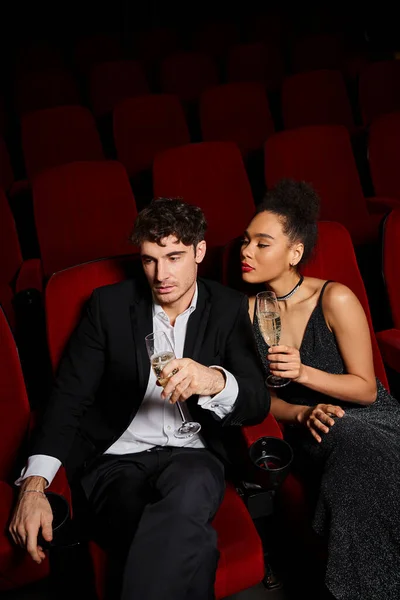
pixel 323 290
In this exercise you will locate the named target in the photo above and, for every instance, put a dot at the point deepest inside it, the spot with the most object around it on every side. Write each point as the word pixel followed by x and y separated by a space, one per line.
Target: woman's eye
pixel 244 242
pixel 263 245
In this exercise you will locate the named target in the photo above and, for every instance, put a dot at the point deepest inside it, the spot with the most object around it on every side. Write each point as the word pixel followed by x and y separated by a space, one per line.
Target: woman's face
pixel 266 252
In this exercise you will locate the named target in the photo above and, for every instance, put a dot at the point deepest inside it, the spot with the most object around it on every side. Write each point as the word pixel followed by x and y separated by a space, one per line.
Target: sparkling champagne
pixel 158 362
pixel 270 327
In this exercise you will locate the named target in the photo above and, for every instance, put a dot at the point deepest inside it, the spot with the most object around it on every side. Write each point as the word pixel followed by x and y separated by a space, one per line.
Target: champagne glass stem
pixel 180 411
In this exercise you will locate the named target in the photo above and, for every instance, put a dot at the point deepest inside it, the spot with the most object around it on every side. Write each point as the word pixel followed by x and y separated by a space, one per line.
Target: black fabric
pixel 152 510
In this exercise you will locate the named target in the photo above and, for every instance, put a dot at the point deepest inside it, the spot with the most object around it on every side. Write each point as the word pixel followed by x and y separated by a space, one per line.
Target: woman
pixel 341 421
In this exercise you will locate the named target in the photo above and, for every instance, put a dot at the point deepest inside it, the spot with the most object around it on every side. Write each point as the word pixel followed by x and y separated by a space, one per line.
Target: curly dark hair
pixel 169 216
pixel 297 203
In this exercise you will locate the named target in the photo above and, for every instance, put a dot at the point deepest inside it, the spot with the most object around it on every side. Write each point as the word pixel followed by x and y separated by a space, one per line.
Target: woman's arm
pixel 346 318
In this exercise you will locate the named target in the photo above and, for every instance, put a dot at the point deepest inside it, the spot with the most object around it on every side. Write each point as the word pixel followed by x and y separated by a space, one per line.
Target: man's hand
pixel 191 378
pixel 32 512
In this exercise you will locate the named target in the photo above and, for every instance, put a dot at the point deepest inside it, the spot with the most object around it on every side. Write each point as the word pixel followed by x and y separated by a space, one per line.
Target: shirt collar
pixel 159 312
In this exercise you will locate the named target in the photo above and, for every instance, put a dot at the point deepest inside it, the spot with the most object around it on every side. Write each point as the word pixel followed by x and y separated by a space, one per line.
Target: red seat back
pixel 152 45
pixel 384 154
pixel 335 259
pixel 83 211
pixel 97 48
pixel 262 62
pixel 146 125
pixel 316 98
pixel 323 157
pixel 236 112
pixel 37 90
pixel 67 292
pixel 210 175
pixel 188 74
pixel 391 268
pixel 114 81
pixel 379 89
pixel 14 405
pixel 58 136
pixel 316 51
pixel 216 38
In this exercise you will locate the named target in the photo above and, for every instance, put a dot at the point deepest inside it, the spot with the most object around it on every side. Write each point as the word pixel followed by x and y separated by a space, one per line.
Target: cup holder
pixel 61 517
pixel 271 459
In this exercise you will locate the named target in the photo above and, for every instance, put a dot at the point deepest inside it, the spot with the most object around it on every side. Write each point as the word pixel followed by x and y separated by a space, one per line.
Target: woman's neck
pixel 284 284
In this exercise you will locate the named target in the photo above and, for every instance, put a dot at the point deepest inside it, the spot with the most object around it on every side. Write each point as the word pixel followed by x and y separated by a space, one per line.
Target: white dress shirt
pixel 156 419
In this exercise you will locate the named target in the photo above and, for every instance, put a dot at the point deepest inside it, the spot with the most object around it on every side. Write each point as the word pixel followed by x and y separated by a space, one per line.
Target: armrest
pixel 381 205
pixel 389 345
pixel 30 276
pixel 269 427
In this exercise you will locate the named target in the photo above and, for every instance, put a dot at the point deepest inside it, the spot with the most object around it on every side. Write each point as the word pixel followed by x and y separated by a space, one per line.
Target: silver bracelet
pixel 34 491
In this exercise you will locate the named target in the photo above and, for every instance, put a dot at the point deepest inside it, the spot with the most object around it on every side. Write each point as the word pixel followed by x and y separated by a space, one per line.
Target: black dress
pixel 357 466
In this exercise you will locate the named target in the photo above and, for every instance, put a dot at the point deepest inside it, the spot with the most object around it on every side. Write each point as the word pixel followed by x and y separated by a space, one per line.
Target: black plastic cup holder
pixel 271 459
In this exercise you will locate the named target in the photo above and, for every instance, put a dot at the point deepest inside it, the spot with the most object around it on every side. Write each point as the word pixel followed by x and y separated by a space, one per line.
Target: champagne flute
pixel 269 321
pixel 160 352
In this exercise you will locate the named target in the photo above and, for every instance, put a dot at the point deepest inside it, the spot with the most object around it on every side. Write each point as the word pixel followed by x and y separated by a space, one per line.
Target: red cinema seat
pixel 83 211
pixel 379 89
pixel 146 125
pixel 323 157
pixel 17 569
pixel 187 75
pixel 316 51
pixel 389 339
pixel 316 98
pixel 97 48
pixel 216 38
pixel 210 175
pixel 262 62
pixel 57 136
pixel 384 154
pixel 37 90
pixel 236 112
pixel 241 563
pixel 114 81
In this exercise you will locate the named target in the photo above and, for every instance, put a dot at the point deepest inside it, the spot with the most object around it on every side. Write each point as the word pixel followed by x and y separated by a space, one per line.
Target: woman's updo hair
pixel 297 204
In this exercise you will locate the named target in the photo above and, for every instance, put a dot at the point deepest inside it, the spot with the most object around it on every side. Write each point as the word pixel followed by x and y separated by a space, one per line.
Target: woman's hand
pixel 319 419
pixel 284 361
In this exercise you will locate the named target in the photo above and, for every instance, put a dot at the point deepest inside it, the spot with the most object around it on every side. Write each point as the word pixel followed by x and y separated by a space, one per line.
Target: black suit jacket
pixel 104 372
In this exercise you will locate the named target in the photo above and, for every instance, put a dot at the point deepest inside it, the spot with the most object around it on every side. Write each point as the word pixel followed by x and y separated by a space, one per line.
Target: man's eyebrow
pixel 174 253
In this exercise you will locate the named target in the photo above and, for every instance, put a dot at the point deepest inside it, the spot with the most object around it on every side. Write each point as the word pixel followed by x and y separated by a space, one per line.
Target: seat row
pixel 84 210
pixel 306 97
pixel 145 125
pixel 241 561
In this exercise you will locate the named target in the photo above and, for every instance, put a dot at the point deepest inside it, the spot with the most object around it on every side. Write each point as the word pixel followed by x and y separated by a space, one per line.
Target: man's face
pixel 171 269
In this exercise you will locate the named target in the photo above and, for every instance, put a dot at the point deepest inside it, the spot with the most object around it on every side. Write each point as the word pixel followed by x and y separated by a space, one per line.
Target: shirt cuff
pixel 40 465
pixel 222 403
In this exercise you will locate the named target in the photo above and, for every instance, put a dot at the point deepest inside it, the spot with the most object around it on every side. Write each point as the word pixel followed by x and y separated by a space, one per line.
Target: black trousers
pixel 153 511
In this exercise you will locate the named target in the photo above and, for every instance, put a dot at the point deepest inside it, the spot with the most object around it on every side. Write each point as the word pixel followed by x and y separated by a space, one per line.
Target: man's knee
pixel 197 490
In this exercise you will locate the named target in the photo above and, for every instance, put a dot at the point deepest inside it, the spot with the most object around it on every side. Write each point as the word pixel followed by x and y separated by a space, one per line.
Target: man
pixel 152 495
